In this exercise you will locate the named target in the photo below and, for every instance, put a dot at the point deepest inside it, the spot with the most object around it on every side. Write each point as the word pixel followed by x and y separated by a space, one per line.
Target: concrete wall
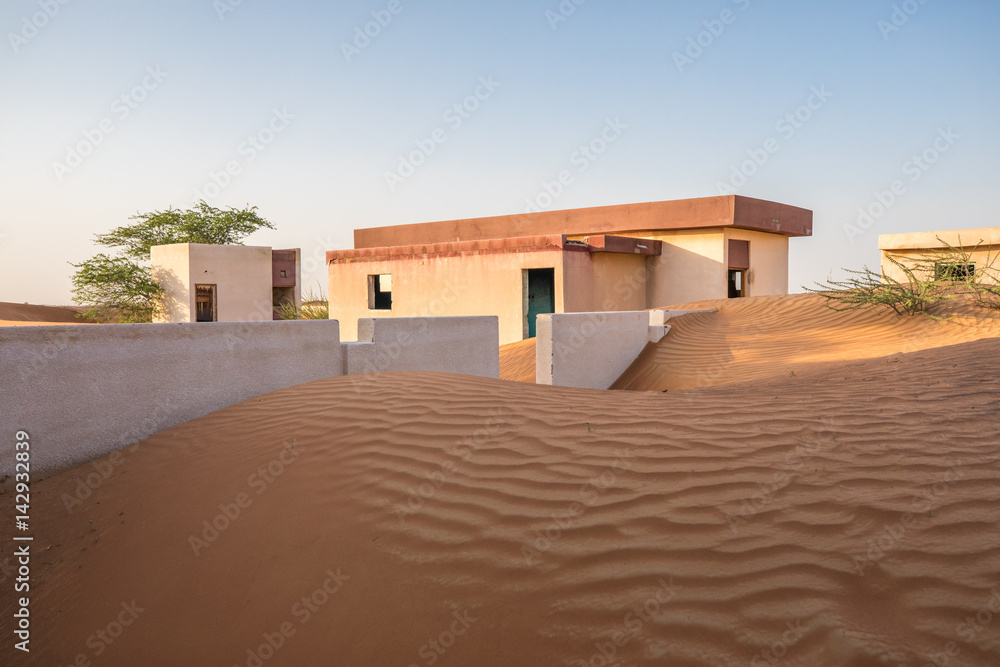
pixel 691 268
pixel 83 391
pixel 592 350
pixel 242 275
pixel 464 345
pixel 457 285
pixel 603 281
pixel 916 247
pixel 768 273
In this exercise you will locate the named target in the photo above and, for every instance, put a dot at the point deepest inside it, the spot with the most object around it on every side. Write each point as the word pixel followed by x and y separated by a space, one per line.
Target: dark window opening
pixel 954 270
pixel 737 283
pixel 205 305
pixel 380 292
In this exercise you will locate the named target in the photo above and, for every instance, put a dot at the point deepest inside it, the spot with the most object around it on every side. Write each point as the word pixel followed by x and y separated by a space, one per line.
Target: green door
pixel 539 296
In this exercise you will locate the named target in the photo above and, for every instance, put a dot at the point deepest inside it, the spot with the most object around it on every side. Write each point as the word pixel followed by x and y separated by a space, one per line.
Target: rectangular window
pixel 204 301
pixel 954 270
pixel 380 292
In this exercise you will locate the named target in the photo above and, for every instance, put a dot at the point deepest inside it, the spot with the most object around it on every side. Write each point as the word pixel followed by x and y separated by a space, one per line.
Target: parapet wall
pixel 465 345
pixel 592 350
pixel 84 391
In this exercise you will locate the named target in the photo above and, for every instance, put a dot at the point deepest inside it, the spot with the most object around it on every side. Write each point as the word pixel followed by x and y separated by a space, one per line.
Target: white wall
pixel 591 350
pixel 464 345
pixel 241 274
pixel 86 390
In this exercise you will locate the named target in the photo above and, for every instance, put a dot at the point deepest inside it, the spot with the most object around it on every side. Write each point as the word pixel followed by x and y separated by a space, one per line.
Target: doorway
pixel 737 283
pixel 539 296
pixel 205 303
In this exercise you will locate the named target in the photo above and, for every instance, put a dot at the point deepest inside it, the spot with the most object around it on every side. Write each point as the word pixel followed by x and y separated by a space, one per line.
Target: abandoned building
pixel 225 283
pixel 629 257
pixel 980 247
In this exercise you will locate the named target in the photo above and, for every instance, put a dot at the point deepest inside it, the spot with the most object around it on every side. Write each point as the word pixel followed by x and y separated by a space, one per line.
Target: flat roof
pixel 967 238
pixel 549 243
pixel 724 211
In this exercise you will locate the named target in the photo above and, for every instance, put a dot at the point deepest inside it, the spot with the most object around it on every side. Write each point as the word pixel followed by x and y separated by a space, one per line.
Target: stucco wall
pixel 768 273
pixel 242 275
pixel 425 286
pixel 171 268
pixel 464 345
pixel 83 391
pixel 604 281
pixel 982 257
pixel 589 350
pixel 691 268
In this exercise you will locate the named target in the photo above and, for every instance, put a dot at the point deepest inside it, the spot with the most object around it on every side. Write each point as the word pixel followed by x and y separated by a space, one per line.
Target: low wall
pixel 84 391
pixel 464 345
pixel 592 350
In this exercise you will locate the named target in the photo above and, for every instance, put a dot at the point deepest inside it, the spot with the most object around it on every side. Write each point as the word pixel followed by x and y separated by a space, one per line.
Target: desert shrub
pixel 915 294
pixel 314 307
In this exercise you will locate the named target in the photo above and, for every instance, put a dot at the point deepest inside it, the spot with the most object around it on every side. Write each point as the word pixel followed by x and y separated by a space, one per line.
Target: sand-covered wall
pixel 83 391
pixel 591 350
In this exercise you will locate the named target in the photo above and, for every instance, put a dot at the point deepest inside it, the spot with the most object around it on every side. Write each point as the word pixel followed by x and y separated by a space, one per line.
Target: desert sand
pixel 23 314
pixel 846 515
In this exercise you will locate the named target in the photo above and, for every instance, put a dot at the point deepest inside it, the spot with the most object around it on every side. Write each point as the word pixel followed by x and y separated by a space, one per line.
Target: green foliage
pixel 124 284
pixel 116 286
pixel 981 281
pixel 204 224
pixel 914 295
pixel 314 307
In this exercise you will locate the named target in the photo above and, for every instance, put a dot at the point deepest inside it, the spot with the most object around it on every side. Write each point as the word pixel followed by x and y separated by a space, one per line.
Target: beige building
pixel 982 246
pixel 631 257
pixel 225 283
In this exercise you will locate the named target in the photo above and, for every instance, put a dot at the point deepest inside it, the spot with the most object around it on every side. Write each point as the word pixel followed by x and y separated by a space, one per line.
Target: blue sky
pixel 162 97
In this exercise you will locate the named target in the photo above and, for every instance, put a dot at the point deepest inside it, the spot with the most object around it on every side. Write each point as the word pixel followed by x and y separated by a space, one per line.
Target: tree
pixel 205 224
pixel 124 284
pixel 116 287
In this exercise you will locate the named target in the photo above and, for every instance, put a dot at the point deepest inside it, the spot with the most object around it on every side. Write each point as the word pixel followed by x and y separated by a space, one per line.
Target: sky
pixel 878 115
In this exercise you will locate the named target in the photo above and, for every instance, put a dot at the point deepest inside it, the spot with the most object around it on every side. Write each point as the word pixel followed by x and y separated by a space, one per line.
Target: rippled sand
pixel 849 515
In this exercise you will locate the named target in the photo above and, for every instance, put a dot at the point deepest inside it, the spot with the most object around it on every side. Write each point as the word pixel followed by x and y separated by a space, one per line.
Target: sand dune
pixel 777 335
pixel 23 314
pixel 517 361
pixel 847 516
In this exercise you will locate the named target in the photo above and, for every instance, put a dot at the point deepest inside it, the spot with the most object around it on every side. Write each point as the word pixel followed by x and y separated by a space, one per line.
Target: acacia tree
pixel 123 285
